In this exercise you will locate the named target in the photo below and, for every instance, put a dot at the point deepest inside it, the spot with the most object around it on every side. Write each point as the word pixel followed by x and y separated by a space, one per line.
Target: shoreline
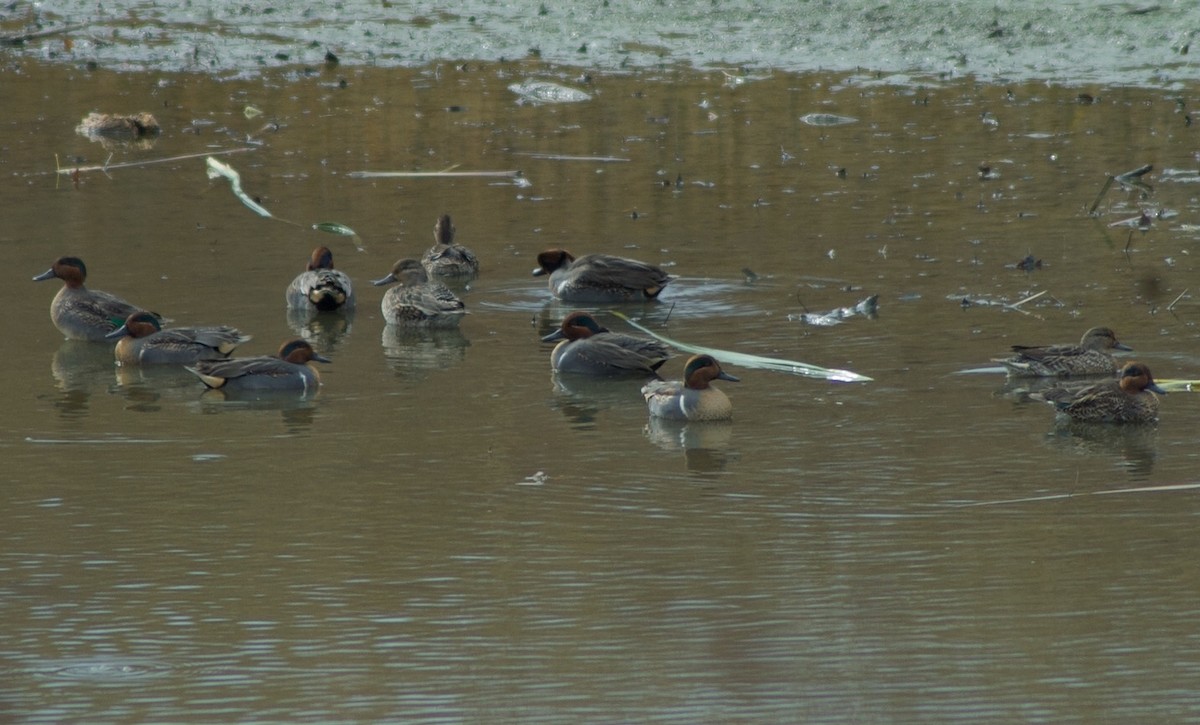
pixel 921 42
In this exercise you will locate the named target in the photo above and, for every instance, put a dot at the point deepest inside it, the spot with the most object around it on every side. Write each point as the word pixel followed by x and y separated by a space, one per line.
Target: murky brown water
pixel 446 534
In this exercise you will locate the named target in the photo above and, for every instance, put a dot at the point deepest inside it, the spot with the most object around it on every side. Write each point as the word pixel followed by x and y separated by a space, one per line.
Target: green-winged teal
pixel 1092 356
pixel 287 371
pixel 81 313
pixel 1129 399
pixel 691 398
pixel 600 277
pixel 445 257
pixel 587 348
pixel 143 341
pixel 320 288
pixel 417 302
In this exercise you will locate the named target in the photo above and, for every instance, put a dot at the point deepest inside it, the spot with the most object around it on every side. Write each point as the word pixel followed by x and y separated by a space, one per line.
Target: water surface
pixel 448 533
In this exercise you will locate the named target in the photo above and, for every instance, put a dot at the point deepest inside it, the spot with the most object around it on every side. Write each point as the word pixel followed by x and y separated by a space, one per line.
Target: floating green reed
pixel 342 230
pixel 756 361
pixel 217 168
pixel 335 228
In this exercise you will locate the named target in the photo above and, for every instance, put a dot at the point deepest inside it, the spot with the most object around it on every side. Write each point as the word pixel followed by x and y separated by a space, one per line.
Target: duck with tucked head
pixel 691 398
pixel 320 288
pixel 289 370
pixel 587 348
pixel 81 313
pixel 1092 356
pixel 1129 399
pixel 445 257
pixel 600 277
pixel 143 341
pixel 417 302
pixel 130 127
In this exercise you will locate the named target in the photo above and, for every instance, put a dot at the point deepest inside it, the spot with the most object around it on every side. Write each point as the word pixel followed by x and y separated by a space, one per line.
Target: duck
pixel 588 348
pixel 81 313
pixel 143 341
pixel 288 370
pixel 320 288
pixel 445 258
pixel 600 277
pixel 1092 356
pixel 417 302
pixel 1129 399
pixel 133 126
pixel 693 398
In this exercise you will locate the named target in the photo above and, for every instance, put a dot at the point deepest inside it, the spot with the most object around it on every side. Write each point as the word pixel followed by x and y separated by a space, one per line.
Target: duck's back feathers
pixel 1092 356
pixel 447 258
pixel 1129 399
pixel 600 277
pixel 321 288
pixel 610 353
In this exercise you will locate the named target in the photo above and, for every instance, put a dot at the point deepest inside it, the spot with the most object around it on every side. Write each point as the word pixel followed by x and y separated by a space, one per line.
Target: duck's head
pixel 702 370
pixel 1102 338
pixel 551 261
pixel 322 258
pixel 443 230
pixel 1136 377
pixel 138 324
pixel 406 271
pixel 299 352
pixel 578 325
pixel 70 270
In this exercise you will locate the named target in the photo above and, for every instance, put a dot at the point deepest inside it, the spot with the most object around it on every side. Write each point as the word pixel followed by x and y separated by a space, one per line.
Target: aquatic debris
pixel 1108 492
pixel 755 361
pixel 1129 179
pixel 1029 263
pixel 1182 176
pixel 567 157
pixel 1141 221
pixel 335 228
pixel 217 168
pixel 1171 307
pixel 547 92
pixel 733 80
pixel 827 119
pixel 108 167
pixel 21 38
pixel 342 230
pixel 966 302
pixel 537 478
pixel 868 307
pixel 424 174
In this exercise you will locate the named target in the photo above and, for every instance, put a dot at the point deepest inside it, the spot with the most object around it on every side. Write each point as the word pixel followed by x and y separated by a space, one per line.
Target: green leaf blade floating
pixel 335 228
pixel 342 230
pixel 756 361
pixel 1179 386
pixel 217 168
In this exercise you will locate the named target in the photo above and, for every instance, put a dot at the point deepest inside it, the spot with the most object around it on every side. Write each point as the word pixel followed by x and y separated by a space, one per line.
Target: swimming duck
pixel 287 371
pixel 1129 399
pixel 81 313
pixel 321 288
pixel 446 258
pixel 142 341
pixel 692 398
pixel 1092 356
pixel 587 348
pixel 417 302
pixel 600 277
